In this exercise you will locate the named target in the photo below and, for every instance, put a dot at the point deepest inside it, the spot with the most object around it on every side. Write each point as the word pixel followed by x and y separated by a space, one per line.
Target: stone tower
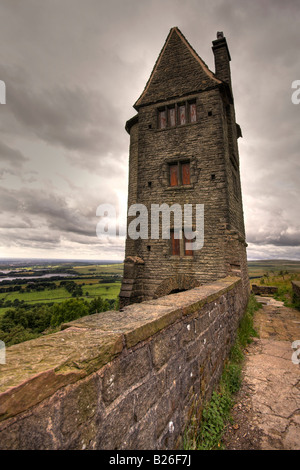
pixel 183 150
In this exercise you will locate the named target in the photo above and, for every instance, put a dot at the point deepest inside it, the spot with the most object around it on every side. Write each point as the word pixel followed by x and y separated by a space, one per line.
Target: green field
pixel 105 290
pixel 271 267
pixel 96 280
pixel 100 269
pixel 92 279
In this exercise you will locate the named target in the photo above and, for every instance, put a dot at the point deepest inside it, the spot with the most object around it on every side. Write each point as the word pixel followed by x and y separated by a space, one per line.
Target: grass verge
pixel 205 432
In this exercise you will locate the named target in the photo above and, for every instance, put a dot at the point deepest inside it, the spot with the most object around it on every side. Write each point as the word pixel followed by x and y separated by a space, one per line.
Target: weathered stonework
pixel 210 146
pixel 264 290
pixel 296 288
pixel 120 380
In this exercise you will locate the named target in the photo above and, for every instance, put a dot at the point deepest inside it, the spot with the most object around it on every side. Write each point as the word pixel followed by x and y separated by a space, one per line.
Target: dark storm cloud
pixel 46 219
pixel 76 118
pixel 283 239
pixel 57 214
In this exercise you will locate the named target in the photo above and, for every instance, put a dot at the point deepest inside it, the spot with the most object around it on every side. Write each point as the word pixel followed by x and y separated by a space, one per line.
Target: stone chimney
pixel 222 58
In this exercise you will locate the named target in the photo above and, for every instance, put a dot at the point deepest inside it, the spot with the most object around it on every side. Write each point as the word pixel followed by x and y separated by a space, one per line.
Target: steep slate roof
pixel 178 71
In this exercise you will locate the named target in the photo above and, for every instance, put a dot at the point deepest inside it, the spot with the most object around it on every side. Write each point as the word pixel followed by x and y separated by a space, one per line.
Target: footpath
pixel 267 411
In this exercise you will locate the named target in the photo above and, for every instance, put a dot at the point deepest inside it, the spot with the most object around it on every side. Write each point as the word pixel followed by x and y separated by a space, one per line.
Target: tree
pixel 69 310
pixel 98 305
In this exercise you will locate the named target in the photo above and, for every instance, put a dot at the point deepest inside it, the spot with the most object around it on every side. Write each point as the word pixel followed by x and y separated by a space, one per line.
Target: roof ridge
pixel 155 65
pixel 204 66
pixel 195 52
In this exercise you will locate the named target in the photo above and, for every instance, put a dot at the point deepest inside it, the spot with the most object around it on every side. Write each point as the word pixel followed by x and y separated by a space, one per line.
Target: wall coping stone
pixel 36 369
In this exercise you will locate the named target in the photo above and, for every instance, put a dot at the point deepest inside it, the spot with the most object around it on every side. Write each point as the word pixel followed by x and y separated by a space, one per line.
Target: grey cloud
pixel 77 119
pixel 283 239
pixel 73 70
pixel 49 213
pixel 11 156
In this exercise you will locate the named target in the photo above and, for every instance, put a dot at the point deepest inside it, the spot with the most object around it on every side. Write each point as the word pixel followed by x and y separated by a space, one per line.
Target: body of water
pixel 43 276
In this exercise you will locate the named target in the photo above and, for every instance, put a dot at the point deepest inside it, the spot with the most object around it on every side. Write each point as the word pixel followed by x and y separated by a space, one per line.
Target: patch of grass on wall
pixel 205 432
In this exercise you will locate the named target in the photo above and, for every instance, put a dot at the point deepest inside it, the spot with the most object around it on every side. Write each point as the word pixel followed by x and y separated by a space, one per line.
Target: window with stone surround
pixel 180 246
pixel 179 173
pixel 177 114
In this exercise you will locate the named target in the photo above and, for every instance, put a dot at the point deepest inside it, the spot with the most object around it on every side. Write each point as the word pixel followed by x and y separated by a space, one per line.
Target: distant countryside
pixel 278 273
pixel 36 297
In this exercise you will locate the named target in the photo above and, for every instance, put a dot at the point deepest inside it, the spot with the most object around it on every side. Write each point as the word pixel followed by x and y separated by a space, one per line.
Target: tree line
pixel 23 323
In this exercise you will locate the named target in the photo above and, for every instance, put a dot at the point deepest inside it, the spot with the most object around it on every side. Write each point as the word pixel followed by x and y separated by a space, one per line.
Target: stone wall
pixel 264 290
pixel 296 288
pixel 120 380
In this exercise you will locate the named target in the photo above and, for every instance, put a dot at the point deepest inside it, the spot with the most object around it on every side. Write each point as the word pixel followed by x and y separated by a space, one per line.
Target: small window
pixel 187 250
pixel 175 244
pixel 174 180
pixel 180 247
pixel 179 173
pixel 193 112
pixel 185 172
pixel 182 114
pixel 177 114
pixel 172 117
pixel 162 119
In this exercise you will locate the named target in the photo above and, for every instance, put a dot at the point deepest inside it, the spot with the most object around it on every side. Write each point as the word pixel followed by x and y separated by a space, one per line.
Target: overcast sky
pixel 74 68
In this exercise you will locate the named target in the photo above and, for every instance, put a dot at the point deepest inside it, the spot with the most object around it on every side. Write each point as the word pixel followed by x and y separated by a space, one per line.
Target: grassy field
pixel 101 269
pixel 268 272
pixel 91 290
pixel 259 268
pixel 105 290
pixel 96 280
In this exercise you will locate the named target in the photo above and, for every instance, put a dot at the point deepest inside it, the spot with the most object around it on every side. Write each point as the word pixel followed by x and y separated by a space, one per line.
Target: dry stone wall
pixel 264 290
pixel 296 288
pixel 120 380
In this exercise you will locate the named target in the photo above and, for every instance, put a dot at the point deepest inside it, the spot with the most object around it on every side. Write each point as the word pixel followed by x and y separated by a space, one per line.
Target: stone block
pixel 124 373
